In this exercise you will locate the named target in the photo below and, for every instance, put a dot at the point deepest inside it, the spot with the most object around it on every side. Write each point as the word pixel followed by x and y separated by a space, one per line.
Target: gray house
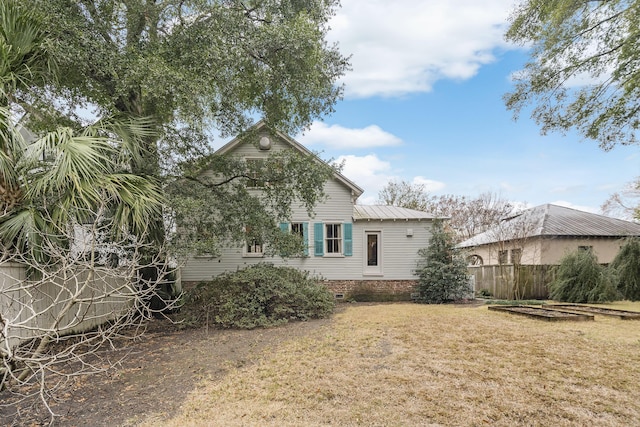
pixel 354 248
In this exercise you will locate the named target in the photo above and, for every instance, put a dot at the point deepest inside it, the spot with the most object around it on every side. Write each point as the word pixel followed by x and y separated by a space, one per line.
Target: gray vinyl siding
pixel 337 208
pixel 399 252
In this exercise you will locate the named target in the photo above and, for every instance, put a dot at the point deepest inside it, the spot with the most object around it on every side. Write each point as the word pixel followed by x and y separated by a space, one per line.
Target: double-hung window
pixel 253 246
pixel 333 238
pixel 300 230
pixel 255 173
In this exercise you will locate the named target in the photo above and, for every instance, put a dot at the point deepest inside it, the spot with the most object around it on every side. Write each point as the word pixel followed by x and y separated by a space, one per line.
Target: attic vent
pixel 265 143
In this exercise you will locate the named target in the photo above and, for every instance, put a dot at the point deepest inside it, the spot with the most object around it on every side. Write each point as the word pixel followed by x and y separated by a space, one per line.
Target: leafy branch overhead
pixel 191 69
pixel 583 73
pixel 215 200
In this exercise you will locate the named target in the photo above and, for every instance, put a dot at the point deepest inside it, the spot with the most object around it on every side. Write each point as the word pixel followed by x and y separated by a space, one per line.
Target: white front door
pixel 373 252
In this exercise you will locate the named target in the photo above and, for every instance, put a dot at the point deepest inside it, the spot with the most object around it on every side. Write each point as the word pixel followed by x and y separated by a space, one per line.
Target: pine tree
pixel 442 270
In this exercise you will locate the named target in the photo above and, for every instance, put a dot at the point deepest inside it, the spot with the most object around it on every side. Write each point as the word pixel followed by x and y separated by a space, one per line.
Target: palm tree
pixel 66 176
pixel 53 183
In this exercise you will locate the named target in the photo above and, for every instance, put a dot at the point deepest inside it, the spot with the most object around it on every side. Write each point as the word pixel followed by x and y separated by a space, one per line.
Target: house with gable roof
pixel 354 248
pixel 537 239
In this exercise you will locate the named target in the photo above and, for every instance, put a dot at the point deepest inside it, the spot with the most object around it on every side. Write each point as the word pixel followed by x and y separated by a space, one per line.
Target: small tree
pixel 442 270
pixel 626 270
pixel 580 279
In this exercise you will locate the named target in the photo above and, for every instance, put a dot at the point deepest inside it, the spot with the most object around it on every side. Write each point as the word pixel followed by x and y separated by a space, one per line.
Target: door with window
pixel 373 252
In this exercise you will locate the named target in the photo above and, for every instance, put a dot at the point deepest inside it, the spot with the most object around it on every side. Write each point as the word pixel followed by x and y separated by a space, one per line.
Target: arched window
pixel 474 260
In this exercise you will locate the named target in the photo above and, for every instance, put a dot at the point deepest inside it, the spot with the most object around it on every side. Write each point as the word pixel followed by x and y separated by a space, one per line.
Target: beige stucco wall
pixel 531 252
pixel 605 249
pixel 549 251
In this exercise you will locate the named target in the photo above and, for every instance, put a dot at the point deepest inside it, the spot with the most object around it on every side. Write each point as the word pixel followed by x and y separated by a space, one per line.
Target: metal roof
pixel 552 220
pixel 382 213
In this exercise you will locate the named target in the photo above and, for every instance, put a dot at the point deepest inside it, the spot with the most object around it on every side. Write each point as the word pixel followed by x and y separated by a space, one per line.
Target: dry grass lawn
pixel 419 365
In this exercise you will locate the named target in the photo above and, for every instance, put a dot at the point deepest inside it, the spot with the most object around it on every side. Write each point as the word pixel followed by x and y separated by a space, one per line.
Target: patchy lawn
pixel 408 364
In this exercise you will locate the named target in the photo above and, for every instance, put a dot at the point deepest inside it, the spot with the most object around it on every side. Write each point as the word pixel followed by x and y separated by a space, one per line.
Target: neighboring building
pixel 514 259
pixel 355 248
pixel 544 234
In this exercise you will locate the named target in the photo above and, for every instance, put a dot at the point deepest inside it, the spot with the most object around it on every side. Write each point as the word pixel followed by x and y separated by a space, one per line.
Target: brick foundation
pixel 372 290
pixel 362 290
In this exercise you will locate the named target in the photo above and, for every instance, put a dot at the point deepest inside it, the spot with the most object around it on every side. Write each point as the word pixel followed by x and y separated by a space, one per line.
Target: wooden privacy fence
pixel 68 302
pixel 513 281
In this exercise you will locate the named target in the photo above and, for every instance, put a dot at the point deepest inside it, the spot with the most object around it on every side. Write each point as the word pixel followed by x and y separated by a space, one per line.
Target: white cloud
pixel 405 46
pixel 372 174
pixel 429 184
pixel 369 172
pixel 336 136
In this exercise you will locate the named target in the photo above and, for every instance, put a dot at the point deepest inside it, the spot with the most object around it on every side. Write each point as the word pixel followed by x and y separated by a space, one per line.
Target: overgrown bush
pixel 258 296
pixel 442 270
pixel 580 279
pixel 625 269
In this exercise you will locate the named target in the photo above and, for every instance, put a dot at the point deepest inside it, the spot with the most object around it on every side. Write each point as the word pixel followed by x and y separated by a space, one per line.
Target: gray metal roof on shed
pixel 552 220
pixel 388 213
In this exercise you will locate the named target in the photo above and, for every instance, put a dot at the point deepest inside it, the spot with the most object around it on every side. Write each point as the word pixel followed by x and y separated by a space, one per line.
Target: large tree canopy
pixel 193 66
pixel 65 176
pixel 584 72
pixel 196 63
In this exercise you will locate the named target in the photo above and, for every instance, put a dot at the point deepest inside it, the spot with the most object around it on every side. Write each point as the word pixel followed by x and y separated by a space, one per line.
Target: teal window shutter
pixel 348 239
pixel 305 237
pixel 284 227
pixel 318 239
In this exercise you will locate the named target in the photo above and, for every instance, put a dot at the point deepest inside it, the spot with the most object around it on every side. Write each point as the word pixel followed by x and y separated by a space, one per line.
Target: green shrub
pixel 625 269
pixel 258 296
pixel 442 270
pixel 580 279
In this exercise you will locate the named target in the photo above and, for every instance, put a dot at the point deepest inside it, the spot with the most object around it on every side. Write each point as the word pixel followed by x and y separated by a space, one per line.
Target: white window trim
pixel 254 159
pixel 327 254
pixel 247 254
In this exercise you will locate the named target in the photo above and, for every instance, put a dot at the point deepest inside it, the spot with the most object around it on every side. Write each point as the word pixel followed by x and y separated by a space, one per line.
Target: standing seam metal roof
pixel 382 212
pixel 553 220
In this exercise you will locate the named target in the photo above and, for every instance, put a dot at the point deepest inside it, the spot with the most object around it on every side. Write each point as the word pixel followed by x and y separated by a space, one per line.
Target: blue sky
pixel 423 104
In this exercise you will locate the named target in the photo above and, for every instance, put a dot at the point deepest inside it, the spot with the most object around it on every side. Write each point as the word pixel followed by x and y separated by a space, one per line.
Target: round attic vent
pixel 265 143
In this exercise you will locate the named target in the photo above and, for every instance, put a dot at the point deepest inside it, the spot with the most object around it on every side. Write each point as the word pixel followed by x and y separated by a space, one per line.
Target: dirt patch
pixel 155 375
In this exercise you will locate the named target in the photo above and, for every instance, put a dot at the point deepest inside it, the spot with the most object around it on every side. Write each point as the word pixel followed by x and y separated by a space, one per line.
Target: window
pixel 255 173
pixel 254 247
pixel 516 256
pixel 585 248
pixel 298 228
pixel 502 257
pixel 253 244
pixel 334 238
pixel 474 260
pixel 372 249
